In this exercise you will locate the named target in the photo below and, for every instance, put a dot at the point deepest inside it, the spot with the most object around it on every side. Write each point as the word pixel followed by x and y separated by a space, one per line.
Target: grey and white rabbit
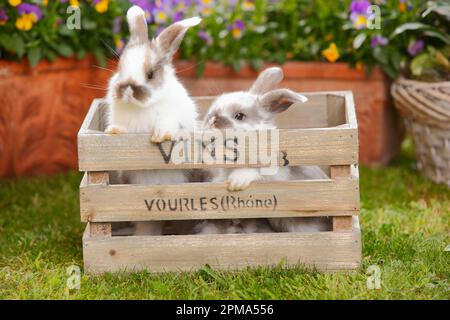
pixel 144 95
pixel 257 109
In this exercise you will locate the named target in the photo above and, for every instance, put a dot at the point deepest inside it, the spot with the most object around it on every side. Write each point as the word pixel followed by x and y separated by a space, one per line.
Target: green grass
pixel 405 229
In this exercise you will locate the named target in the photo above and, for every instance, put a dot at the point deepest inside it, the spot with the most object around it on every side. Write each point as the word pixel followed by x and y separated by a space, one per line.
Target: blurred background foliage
pixel 236 32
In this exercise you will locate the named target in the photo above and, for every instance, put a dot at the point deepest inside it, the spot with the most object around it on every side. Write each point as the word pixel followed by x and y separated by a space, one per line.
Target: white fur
pixel 167 110
pixel 241 178
pixel 133 13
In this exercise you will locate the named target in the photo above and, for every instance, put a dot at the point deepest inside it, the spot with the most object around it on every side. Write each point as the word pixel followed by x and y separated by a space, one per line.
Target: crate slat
pixel 336 145
pixel 326 251
pixel 275 199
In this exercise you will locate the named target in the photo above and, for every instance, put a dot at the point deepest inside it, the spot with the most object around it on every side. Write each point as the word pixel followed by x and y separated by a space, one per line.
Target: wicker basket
pixel 425 108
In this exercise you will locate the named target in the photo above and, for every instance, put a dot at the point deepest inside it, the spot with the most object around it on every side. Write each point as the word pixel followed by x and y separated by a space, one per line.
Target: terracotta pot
pixel 380 134
pixel 42 109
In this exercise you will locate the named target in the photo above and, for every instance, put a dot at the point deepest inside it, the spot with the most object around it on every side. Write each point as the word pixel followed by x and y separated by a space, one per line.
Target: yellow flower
pixel 360 22
pixel 161 17
pixel 331 53
pixel 119 43
pixel 329 37
pixel 74 3
pixel 15 3
pixel 402 6
pixel 248 5
pixel 236 33
pixel 206 11
pixel 25 22
pixel 359 66
pixel 102 6
pixel 206 2
pixel 45 2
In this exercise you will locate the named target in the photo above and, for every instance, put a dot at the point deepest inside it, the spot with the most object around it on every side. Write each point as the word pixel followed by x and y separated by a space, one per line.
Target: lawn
pixel 405 222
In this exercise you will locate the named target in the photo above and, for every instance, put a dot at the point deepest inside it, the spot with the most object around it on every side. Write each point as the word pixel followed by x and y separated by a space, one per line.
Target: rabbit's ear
pixel 267 80
pixel 279 100
pixel 170 38
pixel 138 25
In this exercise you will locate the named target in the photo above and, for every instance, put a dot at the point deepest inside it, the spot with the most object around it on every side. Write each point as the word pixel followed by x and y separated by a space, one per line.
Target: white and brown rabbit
pixel 257 109
pixel 144 95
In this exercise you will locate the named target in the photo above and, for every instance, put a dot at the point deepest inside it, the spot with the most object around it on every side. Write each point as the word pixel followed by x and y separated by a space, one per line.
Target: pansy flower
pixel 14 3
pixel 29 14
pixel 3 17
pixel 248 5
pixel 146 7
pixel 359 13
pixel 101 6
pixel 236 29
pixel 416 47
pixel 205 7
pixel 378 40
pixel 331 53
pixel 205 36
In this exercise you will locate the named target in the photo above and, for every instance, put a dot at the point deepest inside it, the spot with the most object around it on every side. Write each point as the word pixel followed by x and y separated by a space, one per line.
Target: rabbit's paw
pixel 240 180
pixel 113 129
pixel 161 135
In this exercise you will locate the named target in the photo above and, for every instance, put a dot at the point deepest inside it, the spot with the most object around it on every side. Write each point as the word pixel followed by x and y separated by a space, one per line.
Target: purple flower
pixel 359 6
pixel 117 24
pixel 177 16
pixel 359 14
pixel 236 28
pixel 29 8
pixel 416 47
pixel 3 17
pixel 378 40
pixel 146 6
pixel 205 36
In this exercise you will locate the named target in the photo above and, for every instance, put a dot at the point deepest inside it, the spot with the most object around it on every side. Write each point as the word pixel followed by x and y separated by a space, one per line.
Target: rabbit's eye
pixel 150 75
pixel 239 116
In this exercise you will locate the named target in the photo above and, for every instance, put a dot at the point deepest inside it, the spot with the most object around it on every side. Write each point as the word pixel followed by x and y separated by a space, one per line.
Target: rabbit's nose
pixel 127 91
pixel 221 122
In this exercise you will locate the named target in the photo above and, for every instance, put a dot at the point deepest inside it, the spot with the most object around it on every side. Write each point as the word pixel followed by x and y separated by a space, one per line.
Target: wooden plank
pixel 326 146
pixel 344 223
pixel 213 201
pixel 326 251
pixel 340 172
pixel 88 121
pixel 350 110
pixel 314 146
pixel 99 229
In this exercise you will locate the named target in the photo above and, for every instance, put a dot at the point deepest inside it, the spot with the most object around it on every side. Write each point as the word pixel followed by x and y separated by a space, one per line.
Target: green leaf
pixel 81 53
pixel 34 55
pixel 13 43
pixel 100 56
pixel 409 26
pixel 439 35
pixel 64 50
pixel 50 55
pixel 89 24
pixel 359 40
pixel 418 63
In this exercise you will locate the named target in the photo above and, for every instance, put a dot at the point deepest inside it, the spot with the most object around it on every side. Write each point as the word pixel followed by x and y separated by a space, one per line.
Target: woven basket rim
pixel 412 99
pixel 423 83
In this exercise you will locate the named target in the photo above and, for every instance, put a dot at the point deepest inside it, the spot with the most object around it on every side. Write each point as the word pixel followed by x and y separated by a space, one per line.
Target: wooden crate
pixel 322 132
